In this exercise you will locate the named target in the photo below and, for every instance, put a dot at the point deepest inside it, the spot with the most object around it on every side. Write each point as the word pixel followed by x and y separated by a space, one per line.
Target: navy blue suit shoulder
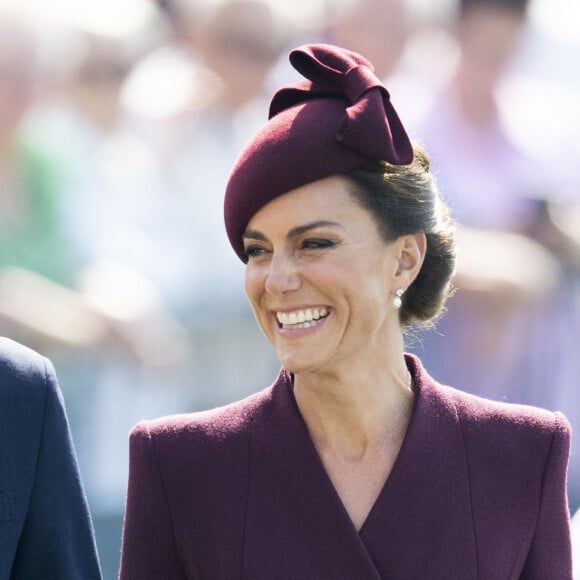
pixel 45 525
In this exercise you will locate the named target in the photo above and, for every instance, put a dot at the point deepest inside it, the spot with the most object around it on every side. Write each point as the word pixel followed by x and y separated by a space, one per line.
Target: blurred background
pixel 119 124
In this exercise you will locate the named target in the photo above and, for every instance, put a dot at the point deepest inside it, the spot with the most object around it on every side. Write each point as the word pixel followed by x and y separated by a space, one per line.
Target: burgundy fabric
pixel 478 491
pixel 335 121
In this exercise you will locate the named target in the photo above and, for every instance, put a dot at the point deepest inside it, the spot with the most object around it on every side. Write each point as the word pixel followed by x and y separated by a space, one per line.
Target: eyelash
pixel 253 251
pixel 309 244
pixel 317 244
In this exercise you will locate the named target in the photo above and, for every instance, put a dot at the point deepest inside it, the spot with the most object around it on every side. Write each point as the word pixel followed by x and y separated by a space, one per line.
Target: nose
pixel 283 275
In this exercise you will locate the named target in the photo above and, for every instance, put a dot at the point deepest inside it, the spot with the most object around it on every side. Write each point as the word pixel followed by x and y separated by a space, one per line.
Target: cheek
pixel 254 285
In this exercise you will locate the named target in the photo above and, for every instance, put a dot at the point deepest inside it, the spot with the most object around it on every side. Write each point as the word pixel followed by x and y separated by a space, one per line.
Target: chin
pixel 291 363
pixel 300 365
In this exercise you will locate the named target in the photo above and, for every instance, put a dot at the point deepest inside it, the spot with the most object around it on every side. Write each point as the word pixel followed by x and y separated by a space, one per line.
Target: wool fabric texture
pixel 478 491
pixel 336 120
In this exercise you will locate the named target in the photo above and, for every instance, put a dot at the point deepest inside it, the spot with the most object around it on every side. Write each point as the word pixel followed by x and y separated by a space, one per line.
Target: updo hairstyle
pixel 404 199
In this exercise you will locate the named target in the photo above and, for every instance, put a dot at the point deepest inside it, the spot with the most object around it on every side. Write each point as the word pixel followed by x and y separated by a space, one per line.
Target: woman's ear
pixel 411 250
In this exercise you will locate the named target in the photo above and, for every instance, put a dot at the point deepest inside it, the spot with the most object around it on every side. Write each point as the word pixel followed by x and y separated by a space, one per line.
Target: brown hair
pixel 404 199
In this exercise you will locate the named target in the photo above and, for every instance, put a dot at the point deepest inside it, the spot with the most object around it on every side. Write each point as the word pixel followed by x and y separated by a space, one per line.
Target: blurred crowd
pixel 119 124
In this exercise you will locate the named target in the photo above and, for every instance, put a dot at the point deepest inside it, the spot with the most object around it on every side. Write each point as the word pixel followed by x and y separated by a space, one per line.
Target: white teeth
pixel 301 318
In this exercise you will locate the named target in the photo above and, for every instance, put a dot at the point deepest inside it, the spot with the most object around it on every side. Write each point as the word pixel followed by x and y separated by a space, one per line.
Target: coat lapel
pixel 296 526
pixel 421 526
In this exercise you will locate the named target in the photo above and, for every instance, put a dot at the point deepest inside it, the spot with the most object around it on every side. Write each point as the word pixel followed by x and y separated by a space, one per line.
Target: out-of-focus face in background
pixel 17 82
pixel 378 29
pixel 488 36
pixel 239 40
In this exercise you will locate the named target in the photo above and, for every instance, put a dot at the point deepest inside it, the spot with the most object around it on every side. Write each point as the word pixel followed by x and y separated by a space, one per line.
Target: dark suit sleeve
pixel 149 550
pixel 57 540
pixel 550 553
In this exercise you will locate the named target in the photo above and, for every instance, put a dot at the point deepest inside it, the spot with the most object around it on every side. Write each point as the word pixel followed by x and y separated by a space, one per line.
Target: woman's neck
pixel 357 412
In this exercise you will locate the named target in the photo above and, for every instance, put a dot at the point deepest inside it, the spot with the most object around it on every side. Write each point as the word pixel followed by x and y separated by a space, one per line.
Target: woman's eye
pixel 254 251
pixel 317 244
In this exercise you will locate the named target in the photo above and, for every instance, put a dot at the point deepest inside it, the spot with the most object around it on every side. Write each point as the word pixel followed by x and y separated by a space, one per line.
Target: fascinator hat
pixel 336 120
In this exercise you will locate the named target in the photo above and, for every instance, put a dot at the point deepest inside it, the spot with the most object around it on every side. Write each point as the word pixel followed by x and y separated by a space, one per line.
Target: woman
pixel 45 525
pixel 354 464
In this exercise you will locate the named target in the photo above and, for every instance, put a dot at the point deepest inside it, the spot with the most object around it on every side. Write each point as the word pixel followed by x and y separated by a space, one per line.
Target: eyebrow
pixel 294 232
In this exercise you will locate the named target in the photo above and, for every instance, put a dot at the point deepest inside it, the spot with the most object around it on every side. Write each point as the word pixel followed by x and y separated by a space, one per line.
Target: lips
pixel 305 318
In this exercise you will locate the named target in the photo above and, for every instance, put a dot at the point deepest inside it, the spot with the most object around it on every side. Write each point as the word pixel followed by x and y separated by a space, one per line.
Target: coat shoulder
pixel 218 425
pixel 25 375
pixel 207 448
pixel 481 416
pixel 19 360
pixel 510 443
pixel 516 458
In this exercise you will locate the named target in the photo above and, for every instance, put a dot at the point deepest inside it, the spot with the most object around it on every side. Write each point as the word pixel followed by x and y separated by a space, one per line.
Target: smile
pixel 302 318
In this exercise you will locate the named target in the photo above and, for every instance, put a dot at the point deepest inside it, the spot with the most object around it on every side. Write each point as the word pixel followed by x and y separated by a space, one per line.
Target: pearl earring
pixel 397 299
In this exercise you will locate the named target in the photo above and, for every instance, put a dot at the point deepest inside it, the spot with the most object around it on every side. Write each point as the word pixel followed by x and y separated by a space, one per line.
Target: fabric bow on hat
pixel 371 126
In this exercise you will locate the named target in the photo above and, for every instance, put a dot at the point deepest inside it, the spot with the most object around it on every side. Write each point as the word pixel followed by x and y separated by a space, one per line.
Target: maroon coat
pixel 478 491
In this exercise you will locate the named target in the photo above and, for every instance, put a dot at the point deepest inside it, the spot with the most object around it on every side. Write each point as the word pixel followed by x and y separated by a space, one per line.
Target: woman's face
pixel 320 278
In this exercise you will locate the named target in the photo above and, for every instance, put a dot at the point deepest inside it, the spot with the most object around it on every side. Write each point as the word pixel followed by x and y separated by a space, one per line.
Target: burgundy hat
pixel 337 120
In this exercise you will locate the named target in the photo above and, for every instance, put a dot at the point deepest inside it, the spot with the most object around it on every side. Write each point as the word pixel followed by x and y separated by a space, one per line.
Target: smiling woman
pixel 355 463
pixel 317 249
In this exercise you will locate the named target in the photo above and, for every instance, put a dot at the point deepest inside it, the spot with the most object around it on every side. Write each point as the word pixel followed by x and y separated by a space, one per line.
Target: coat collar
pixel 419 525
